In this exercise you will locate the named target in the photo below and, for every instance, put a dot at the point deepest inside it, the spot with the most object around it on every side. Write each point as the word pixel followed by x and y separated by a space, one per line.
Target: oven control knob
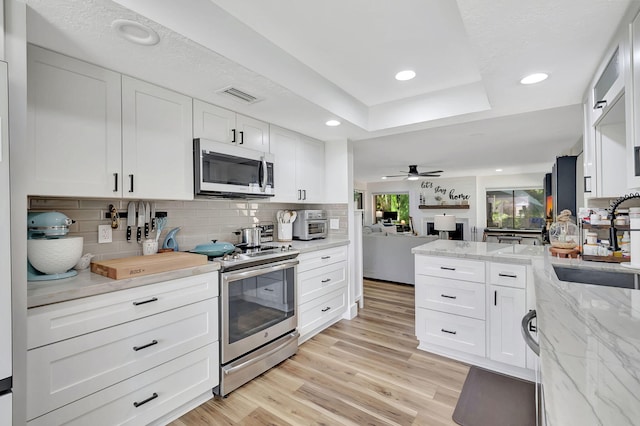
pixel 290 247
pixel 236 256
pixel 225 257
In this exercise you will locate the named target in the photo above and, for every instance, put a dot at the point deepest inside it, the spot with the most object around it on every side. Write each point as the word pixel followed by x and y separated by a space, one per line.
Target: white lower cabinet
pixel 506 343
pixel 160 355
pixel 471 310
pixel 322 290
pixel 6 409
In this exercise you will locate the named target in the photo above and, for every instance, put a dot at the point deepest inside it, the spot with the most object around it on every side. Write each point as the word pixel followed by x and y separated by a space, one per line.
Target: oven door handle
pixel 258 270
pixel 293 335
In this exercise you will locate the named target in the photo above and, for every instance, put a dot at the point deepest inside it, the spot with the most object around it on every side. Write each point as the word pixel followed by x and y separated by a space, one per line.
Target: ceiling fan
pixel 414 174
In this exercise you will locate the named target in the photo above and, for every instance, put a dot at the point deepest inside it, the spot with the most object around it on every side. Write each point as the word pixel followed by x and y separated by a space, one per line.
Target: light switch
pixel 334 223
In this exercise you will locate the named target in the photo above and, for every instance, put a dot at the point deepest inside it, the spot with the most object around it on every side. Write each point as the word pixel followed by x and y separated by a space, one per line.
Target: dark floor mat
pixel 492 399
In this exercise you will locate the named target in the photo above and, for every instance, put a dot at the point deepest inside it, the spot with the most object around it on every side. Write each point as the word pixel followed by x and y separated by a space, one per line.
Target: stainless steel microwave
pixel 224 170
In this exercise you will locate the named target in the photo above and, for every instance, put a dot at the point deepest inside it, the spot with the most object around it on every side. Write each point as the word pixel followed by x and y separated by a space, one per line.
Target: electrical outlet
pixel 104 234
pixel 334 223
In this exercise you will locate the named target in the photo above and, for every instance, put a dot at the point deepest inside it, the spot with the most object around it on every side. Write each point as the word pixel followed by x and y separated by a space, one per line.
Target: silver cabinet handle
pixel 535 347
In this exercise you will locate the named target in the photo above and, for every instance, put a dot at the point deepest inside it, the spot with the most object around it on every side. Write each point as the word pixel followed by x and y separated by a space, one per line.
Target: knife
pixel 147 210
pixel 131 218
pixel 153 216
pixel 141 217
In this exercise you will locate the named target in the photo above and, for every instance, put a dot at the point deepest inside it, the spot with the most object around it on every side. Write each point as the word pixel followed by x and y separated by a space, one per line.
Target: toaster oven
pixel 310 225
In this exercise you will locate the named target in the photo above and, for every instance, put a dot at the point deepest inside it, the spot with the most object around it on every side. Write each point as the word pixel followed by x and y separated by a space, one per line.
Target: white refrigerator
pixel 5 257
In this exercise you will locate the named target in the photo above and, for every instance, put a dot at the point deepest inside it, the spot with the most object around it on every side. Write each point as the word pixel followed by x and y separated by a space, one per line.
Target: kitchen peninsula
pixel 589 335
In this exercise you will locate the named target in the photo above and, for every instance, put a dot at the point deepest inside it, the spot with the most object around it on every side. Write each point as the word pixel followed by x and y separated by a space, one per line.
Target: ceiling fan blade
pixel 430 173
pixel 404 175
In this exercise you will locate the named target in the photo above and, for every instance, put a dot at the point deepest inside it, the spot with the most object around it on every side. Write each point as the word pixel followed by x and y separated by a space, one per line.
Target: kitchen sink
pixel 592 276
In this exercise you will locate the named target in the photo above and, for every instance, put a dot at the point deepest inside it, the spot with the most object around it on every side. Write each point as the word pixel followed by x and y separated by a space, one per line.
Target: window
pixel 515 208
pixel 392 207
pixel 357 199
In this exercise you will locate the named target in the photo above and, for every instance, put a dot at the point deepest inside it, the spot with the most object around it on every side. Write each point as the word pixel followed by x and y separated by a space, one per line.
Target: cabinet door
pixel 213 122
pixel 252 133
pixel 633 151
pixel 505 313
pixel 310 170
pixel 157 142
pixel 283 147
pixel 73 127
pixel 611 145
pixel 589 155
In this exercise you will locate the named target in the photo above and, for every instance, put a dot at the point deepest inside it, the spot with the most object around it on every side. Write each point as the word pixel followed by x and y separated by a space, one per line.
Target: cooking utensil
pixel 170 241
pixel 294 215
pixel 131 218
pixel 147 219
pixel 214 249
pixel 141 217
pixel 251 236
pixel 279 216
pixel 286 217
pixel 161 223
pixel 153 216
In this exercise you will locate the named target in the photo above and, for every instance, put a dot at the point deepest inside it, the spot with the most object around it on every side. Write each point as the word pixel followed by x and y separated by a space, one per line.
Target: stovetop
pixel 245 257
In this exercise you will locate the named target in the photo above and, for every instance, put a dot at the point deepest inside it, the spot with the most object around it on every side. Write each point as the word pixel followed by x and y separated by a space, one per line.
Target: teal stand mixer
pixel 51 254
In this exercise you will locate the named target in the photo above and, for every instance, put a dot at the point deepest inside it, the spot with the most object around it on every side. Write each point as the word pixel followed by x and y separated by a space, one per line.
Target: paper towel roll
pixel 634 252
pixel 443 222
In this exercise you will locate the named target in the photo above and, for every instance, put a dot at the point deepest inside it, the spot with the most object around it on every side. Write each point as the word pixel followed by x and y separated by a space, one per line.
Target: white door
pixel 310 170
pixel 252 133
pixel 213 122
pixel 73 127
pixel 358 218
pixel 507 307
pixel 157 155
pixel 283 147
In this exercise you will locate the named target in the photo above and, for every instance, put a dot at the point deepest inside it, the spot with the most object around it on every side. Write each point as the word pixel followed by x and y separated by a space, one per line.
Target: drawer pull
pixel 446 268
pixel 507 275
pixel 268 289
pixel 151 343
pixel 326 309
pixel 325 257
pixel 151 398
pixel 449 297
pixel 153 299
pixel 448 331
pixel 326 281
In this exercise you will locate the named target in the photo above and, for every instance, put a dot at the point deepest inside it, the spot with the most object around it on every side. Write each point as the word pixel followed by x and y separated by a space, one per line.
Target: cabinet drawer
pixel 175 383
pixel 316 282
pixel 446 267
pixel 451 331
pixel 451 296
pixel 66 371
pixel 316 259
pixel 51 323
pixel 508 275
pixel 322 310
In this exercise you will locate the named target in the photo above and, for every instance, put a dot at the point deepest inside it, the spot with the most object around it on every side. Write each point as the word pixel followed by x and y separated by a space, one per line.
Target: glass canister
pixel 621 217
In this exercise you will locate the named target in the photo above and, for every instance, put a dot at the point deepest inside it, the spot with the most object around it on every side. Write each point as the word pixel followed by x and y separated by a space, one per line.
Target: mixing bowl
pixel 54 256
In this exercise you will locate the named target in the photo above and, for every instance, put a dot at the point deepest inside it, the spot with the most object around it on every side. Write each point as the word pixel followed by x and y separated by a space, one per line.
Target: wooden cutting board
pixel 136 266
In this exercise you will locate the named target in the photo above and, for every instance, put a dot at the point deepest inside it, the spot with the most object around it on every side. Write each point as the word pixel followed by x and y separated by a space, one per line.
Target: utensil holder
pixel 285 231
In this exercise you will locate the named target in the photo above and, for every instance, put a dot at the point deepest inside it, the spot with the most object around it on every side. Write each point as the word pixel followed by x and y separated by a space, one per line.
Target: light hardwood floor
pixel 366 371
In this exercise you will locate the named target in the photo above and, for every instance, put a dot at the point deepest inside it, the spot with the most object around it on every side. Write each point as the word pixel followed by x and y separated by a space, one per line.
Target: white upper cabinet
pixel 157 158
pixel 222 125
pixel 95 133
pixel 299 167
pixel 633 145
pixel 74 127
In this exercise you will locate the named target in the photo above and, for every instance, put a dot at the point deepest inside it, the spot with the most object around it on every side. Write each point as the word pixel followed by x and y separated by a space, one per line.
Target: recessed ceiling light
pixel 534 78
pixel 405 75
pixel 332 123
pixel 498 170
pixel 135 32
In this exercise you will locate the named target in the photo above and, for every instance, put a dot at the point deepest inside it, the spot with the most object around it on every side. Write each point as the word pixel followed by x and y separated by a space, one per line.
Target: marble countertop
pixel 589 335
pixel 590 348
pixel 493 252
pixel 87 284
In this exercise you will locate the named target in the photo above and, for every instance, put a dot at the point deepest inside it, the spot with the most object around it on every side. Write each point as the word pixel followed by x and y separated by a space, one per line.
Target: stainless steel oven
pixel 258 316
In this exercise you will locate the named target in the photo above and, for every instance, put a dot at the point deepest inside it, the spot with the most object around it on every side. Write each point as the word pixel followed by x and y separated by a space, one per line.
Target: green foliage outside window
pixel 393 203
pixel 515 209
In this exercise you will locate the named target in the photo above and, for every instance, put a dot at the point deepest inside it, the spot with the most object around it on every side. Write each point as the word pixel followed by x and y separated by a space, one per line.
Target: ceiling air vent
pixel 238 95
